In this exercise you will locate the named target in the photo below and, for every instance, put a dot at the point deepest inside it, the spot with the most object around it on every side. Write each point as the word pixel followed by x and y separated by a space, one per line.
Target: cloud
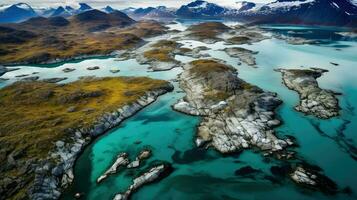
pixel 119 3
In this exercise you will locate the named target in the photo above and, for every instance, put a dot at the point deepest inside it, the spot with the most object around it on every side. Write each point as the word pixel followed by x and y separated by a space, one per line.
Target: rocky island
pixel 236 114
pixel 208 32
pixel 45 126
pixel 315 101
pixel 245 55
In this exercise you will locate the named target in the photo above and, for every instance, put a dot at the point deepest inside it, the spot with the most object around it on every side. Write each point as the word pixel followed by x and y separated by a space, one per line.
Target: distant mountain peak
pixel 108 9
pixel 84 6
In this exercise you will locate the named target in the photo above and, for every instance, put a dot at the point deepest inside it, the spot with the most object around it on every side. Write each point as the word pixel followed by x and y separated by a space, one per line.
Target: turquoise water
pixel 201 174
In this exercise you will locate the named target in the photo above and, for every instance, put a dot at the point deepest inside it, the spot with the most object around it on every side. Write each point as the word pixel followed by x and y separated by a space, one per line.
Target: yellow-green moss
pixel 34 115
pixel 205 66
pixel 162 51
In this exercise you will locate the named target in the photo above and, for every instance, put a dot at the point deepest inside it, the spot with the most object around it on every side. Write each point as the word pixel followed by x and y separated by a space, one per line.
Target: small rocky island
pixel 315 101
pixel 245 55
pixel 56 121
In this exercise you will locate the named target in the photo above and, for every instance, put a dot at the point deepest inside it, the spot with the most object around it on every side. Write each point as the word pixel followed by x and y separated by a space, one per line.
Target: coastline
pixel 50 180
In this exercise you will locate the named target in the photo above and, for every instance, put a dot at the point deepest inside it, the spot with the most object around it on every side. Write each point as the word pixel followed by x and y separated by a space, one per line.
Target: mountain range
pixel 21 12
pixel 309 12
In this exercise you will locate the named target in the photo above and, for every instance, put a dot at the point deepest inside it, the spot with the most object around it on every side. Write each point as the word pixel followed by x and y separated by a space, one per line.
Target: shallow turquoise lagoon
pixel 205 174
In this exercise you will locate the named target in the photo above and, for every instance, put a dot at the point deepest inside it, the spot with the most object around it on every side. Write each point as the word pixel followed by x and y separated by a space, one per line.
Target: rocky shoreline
pixel 51 178
pixel 315 101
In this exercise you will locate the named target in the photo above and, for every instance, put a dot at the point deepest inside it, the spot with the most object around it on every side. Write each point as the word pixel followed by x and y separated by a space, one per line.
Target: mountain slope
pixel 308 12
pixel 16 13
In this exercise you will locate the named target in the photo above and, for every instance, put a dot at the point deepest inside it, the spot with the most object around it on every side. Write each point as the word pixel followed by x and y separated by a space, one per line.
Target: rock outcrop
pixel 144 154
pixel 154 174
pixel 315 101
pixel 236 114
pixel 311 178
pixel 121 161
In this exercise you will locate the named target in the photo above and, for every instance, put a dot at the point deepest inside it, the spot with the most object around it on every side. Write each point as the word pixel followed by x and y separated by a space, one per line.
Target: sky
pixel 119 3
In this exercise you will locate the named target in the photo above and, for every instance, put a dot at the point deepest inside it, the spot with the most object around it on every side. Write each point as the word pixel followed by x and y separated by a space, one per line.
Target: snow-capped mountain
pixel 161 12
pixel 199 9
pixel 311 12
pixel 16 13
pixel 150 12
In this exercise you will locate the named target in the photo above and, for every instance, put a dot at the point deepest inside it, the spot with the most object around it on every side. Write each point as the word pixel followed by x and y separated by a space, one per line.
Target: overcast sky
pixel 118 3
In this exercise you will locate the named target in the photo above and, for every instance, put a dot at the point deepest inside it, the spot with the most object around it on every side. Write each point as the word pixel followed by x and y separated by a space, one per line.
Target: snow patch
pixel 335 4
pixel 23 6
pixel 288 4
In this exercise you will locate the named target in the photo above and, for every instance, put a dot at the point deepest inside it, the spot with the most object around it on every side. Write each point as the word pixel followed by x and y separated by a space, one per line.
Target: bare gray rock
pixel 154 174
pixel 121 161
pixel 236 115
pixel 313 100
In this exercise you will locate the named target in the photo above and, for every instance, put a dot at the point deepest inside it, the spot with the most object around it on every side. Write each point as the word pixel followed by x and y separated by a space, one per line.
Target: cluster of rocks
pixel 57 171
pixel 301 176
pixel 144 154
pixel 242 118
pixel 154 174
pixel 122 160
pixel 310 177
pixel 313 100
pixel 245 55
